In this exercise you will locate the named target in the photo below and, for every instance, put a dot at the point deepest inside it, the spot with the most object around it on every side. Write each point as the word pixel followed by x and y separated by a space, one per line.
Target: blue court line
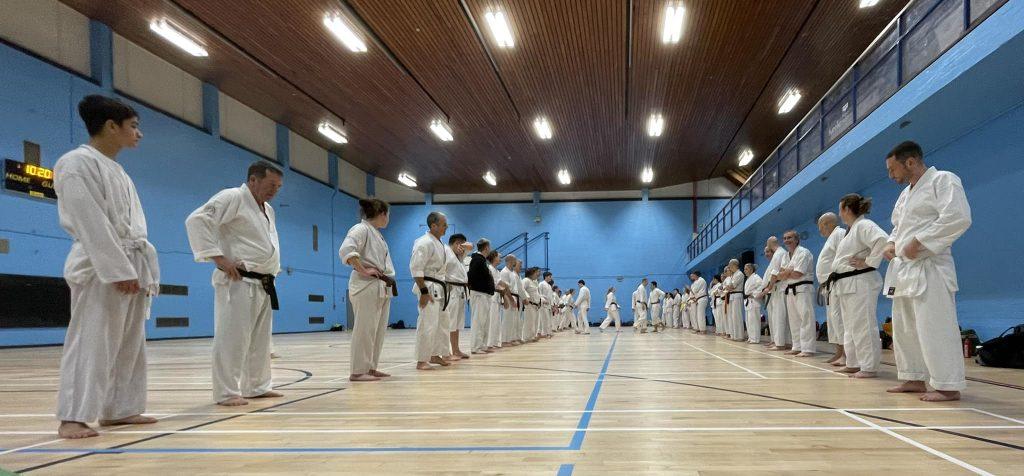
pixel 581 427
pixel 565 470
pixel 574 445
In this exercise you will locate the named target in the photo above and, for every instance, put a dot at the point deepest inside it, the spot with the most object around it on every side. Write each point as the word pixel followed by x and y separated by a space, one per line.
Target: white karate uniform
pixel 639 307
pixel 509 327
pixel 611 307
pixel 547 299
pixel 480 314
pixel 717 306
pixel 232 225
pixel 428 261
pixel 926 336
pixel 822 270
pixel 735 297
pixel 103 369
pixel 452 317
pixel 857 296
pixel 494 322
pixel 583 307
pixel 778 320
pixel 698 309
pixel 532 300
pixel 800 299
pixel 669 311
pixel 751 287
pixel 656 296
pixel 370 297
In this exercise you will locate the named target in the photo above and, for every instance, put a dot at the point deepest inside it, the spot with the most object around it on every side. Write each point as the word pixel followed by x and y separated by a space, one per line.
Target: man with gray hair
pixel 828 226
pixel 774 289
pixel 509 325
pixel 797 273
pixel 481 293
pixel 734 284
pixel 427 266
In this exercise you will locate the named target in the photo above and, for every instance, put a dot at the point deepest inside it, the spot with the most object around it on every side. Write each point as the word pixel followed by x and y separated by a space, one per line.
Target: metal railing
pixel 524 241
pixel 921 33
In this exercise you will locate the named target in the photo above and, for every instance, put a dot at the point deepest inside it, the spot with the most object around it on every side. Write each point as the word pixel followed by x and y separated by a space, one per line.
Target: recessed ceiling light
pixel 175 35
pixel 868 3
pixel 647 175
pixel 789 101
pixel 672 27
pixel 343 30
pixel 407 180
pixel 499 28
pixel 442 130
pixel 542 127
pixel 490 178
pixel 745 157
pixel 563 177
pixel 655 124
pixel 332 133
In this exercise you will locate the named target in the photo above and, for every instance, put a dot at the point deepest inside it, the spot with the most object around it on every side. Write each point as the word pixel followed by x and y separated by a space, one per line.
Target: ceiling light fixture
pixel 672 28
pixel 789 101
pixel 563 177
pixel 182 40
pixel 499 29
pixel 543 128
pixel 332 133
pixel 442 130
pixel 490 178
pixel 745 157
pixel 647 175
pixel 407 180
pixel 655 124
pixel 868 3
pixel 343 30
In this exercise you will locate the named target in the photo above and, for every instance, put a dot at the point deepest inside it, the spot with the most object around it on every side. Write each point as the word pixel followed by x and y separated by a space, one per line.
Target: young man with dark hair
pixel 547 304
pixel 427 267
pixel 481 293
pixel 454 314
pixel 583 304
pixel 112 271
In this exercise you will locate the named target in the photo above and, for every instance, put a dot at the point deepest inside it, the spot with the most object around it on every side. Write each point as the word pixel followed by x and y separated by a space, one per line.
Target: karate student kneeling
pixel 112 271
pixel 236 230
pixel 427 266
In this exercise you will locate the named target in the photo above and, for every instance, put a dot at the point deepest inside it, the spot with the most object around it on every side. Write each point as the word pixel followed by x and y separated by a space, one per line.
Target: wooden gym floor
pixel 670 402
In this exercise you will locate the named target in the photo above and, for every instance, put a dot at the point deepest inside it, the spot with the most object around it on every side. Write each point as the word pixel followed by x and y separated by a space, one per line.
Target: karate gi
pixel 428 262
pixel 232 225
pixel 453 317
pixel 698 309
pixel 822 270
pixel 494 322
pixel 532 300
pixel 857 296
pixel 583 307
pixel 717 307
pixel 735 313
pixel 370 297
pixel 547 300
pixel 778 321
pixel 103 369
pixel 926 335
pixel 800 299
pixel 752 304
pixel 639 307
pixel 654 301
pixel 509 324
pixel 611 307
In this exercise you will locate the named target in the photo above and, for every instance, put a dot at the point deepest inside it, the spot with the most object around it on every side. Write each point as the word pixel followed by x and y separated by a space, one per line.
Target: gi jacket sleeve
pixel 203 225
pixel 354 242
pixel 954 214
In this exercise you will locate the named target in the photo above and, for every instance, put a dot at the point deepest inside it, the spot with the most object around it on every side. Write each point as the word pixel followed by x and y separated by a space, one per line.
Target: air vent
pixel 316 320
pixel 171 322
pixel 316 298
pixel 173 290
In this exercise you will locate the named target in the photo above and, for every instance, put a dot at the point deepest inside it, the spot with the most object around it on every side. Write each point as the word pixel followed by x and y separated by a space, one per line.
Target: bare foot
pixel 913 386
pixel 849 370
pixel 74 430
pixel 233 402
pixel 378 373
pixel 269 394
pixel 940 396
pixel 489 350
pixel 439 361
pixel 478 352
pixel 452 358
pixel 461 355
pixel 832 359
pixel 423 366
pixel 805 354
pixel 793 352
pixel 132 420
pixel 839 363
pixel 772 347
pixel 274 356
pixel 863 374
pixel 363 378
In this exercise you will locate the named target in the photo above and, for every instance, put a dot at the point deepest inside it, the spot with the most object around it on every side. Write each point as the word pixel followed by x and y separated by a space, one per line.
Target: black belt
pixel 443 287
pixel 792 287
pixel 267 281
pixel 698 298
pixel 534 304
pixel 465 291
pixel 655 302
pixel 832 278
pixel 642 304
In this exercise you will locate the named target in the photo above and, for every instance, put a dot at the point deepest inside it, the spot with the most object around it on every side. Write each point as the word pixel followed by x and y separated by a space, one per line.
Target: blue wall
pixel 176 168
pixel 595 241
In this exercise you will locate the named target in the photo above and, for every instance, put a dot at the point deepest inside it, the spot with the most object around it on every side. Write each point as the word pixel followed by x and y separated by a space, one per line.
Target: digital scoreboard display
pixel 28 179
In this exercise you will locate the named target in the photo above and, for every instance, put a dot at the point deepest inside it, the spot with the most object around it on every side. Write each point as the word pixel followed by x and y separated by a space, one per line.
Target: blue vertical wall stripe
pixel 332 169
pixel 371 185
pixel 211 109
pixel 101 54
pixel 283 152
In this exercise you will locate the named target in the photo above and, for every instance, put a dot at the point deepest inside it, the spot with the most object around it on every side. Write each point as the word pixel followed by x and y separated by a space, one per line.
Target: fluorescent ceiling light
pixel 499 29
pixel 490 178
pixel 441 130
pixel 789 101
pixel 543 127
pixel 745 157
pixel 407 180
pixel 563 177
pixel 868 3
pixel 655 124
pixel 332 133
pixel 172 33
pixel 672 28
pixel 647 175
pixel 344 32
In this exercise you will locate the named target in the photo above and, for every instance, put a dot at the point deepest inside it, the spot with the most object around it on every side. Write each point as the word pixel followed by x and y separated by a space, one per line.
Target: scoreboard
pixel 28 179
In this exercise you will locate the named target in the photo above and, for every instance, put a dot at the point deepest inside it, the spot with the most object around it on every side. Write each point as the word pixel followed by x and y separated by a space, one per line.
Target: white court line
pixel 933 451
pixel 805 364
pixel 516 412
pixel 609 378
pixel 345 377
pixel 723 359
pixel 724 429
pixel 58 440
pixel 996 415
